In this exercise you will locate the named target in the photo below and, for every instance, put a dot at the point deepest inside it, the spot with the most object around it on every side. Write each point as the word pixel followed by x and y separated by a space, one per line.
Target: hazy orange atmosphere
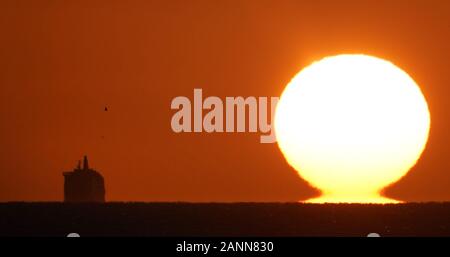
pixel 63 62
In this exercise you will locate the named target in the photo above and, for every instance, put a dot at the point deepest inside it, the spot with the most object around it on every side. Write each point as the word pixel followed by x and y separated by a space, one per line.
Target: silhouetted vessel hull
pixel 83 185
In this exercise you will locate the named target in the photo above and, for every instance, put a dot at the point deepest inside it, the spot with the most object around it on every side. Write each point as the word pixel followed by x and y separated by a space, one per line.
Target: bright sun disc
pixel 351 125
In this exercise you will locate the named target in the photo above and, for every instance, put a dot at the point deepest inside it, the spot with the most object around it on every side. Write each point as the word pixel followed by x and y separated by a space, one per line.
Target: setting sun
pixel 351 125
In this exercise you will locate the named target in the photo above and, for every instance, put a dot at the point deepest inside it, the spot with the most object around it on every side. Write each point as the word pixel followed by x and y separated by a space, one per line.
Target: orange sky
pixel 62 62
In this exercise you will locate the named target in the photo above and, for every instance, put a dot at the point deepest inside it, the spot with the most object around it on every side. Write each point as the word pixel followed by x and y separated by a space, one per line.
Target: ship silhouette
pixel 83 184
